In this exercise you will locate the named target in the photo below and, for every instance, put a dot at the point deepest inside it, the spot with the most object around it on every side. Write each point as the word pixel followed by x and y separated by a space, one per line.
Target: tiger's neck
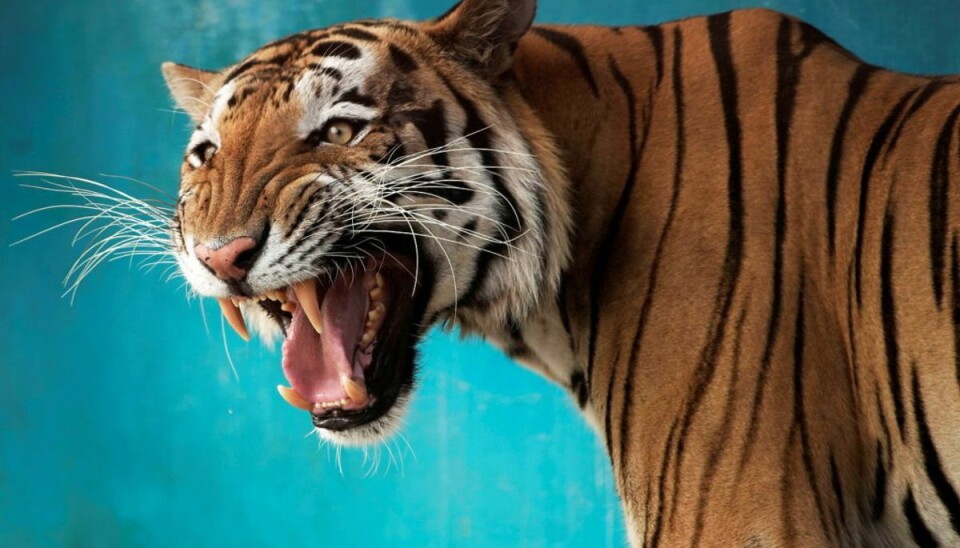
pixel 585 98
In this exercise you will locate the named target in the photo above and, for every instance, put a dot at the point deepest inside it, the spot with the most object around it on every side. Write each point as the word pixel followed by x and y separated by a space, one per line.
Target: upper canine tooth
pixel 232 313
pixel 355 391
pixel 294 398
pixel 307 298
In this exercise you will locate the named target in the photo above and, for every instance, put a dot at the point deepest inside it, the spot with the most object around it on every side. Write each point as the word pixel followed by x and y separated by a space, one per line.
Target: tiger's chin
pixel 349 344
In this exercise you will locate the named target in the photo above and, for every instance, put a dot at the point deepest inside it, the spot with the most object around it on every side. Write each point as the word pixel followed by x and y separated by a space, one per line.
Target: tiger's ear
pixel 192 89
pixel 484 33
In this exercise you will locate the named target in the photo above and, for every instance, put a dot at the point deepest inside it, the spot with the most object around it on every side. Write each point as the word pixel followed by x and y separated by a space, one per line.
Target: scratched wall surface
pixel 121 420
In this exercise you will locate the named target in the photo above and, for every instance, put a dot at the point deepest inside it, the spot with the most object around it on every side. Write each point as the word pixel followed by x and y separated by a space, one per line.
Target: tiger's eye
pixel 339 133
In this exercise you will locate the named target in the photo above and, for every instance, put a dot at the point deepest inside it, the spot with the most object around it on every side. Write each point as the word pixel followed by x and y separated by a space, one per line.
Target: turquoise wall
pixel 121 421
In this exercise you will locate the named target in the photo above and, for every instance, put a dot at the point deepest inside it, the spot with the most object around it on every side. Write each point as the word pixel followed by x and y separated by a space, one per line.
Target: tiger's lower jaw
pixel 349 346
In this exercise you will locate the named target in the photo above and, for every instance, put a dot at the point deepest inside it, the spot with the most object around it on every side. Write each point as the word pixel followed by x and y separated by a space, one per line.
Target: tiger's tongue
pixel 315 363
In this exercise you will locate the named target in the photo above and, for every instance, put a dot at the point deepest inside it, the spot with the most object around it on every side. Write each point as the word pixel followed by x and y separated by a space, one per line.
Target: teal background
pixel 121 421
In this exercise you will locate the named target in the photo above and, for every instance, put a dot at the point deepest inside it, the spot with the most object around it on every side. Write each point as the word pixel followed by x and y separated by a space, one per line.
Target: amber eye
pixel 338 133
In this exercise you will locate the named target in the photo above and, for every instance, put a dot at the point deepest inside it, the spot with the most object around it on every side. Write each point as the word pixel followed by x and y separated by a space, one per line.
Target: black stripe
pixel 799 407
pixel 353 95
pixel 931 459
pixel 787 491
pixel 357 34
pixel 722 436
pixel 432 124
pixel 922 97
pixel 721 48
pixel 789 66
pixel 879 484
pixel 573 47
pixel 680 152
pixel 578 384
pixel 855 91
pixel 838 492
pixel 402 59
pixel 889 312
pixel 879 139
pixel 655 34
pixel 400 94
pixel 336 48
pixel 918 529
pixel 273 62
pixel 468 230
pixel 884 425
pixel 605 247
pixel 327 71
pixel 662 486
pixel 939 202
pixel 608 411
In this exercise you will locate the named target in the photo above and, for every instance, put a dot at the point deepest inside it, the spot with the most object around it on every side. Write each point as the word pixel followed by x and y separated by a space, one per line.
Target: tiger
pixel 733 242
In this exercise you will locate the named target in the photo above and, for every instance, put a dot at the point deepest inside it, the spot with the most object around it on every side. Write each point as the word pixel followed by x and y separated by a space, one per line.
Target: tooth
pixel 377 293
pixel 355 391
pixel 232 313
pixel 379 279
pixel 375 314
pixel 307 296
pixel 281 295
pixel 367 337
pixel 290 307
pixel 293 397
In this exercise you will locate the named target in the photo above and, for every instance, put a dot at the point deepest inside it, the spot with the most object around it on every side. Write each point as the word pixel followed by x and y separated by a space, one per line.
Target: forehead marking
pixel 337 48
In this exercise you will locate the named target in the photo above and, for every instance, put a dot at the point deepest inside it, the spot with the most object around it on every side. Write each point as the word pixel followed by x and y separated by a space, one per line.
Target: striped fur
pixel 737 249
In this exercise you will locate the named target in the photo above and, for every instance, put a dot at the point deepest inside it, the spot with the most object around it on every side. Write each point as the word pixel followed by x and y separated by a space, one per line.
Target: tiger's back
pixel 765 279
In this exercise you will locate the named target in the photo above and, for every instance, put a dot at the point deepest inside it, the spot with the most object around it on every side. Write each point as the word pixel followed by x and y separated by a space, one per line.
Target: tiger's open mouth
pixel 349 345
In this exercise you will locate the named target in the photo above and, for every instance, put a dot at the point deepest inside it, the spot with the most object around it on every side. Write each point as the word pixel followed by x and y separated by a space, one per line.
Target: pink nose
pixel 229 261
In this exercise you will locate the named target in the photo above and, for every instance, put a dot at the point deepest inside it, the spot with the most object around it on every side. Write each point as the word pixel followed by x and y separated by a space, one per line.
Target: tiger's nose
pixel 229 261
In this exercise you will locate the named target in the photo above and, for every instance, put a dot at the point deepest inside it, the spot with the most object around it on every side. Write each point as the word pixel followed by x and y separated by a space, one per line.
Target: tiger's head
pixel 346 188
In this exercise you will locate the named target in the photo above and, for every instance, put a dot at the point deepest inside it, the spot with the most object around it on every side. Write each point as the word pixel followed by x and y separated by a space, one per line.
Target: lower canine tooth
pixel 292 397
pixel 355 391
pixel 307 298
pixel 289 307
pixel 232 313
